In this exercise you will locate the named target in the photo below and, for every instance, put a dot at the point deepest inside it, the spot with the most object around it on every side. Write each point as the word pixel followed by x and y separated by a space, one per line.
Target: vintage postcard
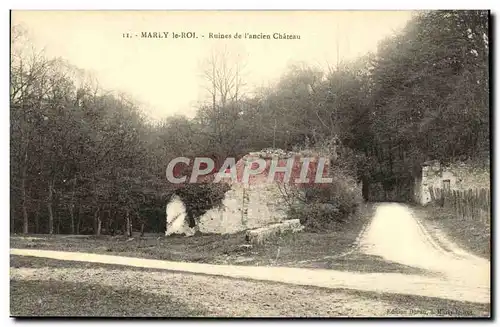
pixel 244 164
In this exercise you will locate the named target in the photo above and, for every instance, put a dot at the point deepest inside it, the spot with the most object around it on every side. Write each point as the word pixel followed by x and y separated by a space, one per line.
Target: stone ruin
pixel 258 204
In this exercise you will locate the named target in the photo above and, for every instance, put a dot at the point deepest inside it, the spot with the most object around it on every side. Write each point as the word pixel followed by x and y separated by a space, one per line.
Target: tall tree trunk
pixel 23 190
pixel 114 223
pixel 58 220
pixel 78 221
pixel 72 207
pixel 108 225
pixel 37 219
pixel 142 222
pixel 99 226
pixel 72 218
pixel 128 223
pixel 12 219
pixel 49 208
pixel 214 95
pixel 97 221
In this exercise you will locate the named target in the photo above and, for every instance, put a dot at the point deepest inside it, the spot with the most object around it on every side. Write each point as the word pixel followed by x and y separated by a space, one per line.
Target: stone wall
pixel 257 202
pixel 245 207
pixel 456 176
pixel 466 177
pixel 176 218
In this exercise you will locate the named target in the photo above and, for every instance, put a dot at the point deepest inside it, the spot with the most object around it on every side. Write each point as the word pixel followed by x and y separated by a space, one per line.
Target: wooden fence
pixel 467 204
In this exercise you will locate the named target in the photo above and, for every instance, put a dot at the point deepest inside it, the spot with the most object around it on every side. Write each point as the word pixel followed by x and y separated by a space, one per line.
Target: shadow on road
pixel 365 263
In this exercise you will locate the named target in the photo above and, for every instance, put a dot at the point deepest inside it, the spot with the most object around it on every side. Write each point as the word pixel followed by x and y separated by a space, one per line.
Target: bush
pixel 201 197
pixel 327 206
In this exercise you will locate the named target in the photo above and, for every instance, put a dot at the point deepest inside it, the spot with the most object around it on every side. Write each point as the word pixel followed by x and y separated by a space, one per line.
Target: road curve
pixel 396 235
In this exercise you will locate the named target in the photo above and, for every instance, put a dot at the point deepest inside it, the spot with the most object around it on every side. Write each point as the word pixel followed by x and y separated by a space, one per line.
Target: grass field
pixel 472 235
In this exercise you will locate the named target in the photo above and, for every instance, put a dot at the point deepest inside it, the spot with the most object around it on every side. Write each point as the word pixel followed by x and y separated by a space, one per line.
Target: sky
pixel 165 74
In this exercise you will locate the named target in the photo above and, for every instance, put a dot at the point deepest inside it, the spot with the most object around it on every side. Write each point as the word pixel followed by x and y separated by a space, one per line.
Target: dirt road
pixel 394 234
pixel 41 286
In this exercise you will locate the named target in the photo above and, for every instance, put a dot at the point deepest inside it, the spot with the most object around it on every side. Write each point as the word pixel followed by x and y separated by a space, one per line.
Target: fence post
pixel 455 201
pixel 466 205
pixel 477 201
pixel 461 200
pixel 471 204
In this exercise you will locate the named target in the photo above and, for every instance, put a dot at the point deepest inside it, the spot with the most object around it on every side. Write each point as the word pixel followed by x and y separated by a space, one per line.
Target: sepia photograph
pixel 250 164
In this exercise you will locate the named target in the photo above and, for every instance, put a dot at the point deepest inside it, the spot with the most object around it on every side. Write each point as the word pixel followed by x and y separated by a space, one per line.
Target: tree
pixel 223 73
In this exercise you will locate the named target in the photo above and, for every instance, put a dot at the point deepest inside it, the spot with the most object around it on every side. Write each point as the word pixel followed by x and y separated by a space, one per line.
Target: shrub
pixel 201 197
pixel 327 206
